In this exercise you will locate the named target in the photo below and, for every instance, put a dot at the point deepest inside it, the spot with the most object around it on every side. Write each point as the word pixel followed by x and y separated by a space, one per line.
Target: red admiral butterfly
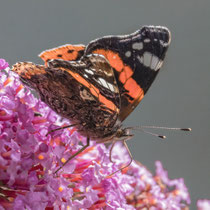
pixel 96 87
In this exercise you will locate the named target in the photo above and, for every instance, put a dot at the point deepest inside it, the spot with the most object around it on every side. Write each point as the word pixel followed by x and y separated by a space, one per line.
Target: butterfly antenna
pixel 157 127
pixel 142 128
pixel 148 132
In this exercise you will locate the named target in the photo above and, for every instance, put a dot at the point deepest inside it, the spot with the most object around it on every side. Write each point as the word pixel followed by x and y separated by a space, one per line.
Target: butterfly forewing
pixel 136 60
pixel 85 92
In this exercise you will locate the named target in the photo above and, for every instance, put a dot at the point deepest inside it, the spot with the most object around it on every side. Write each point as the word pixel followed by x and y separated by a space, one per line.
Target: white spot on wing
pixel 140 59
pixel 159 65
pixel 137 46
pixel 154 62
pixel 111 87
pixel 147 58
pixel 128 54
pixel 164 44
pixel 103 82
pixel 150 60
pixel 147 40
pixel 106 84
pixel 89 71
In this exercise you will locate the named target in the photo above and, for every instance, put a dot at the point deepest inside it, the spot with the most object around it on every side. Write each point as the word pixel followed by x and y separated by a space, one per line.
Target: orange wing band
pixel 125 77
pixel 94 91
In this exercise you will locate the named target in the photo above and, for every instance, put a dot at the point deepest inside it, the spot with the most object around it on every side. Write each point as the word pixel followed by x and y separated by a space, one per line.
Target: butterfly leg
pixel 129 153
pixel 75 154
pixel 110 153
pixel 61 128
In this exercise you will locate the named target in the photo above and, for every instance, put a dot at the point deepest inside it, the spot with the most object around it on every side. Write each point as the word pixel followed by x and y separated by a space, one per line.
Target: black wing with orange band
pixel 136 60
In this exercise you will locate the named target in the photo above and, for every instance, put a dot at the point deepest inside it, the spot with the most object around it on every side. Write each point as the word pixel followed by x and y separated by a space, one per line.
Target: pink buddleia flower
pixel 203 204
pixel 3 64
pixel 29 158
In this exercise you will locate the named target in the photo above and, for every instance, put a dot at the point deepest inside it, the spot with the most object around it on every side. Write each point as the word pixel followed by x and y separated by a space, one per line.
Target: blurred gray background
pixel 178 97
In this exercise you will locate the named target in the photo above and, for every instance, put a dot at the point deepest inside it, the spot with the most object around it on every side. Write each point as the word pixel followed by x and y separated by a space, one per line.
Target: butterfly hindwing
pixel 136 60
